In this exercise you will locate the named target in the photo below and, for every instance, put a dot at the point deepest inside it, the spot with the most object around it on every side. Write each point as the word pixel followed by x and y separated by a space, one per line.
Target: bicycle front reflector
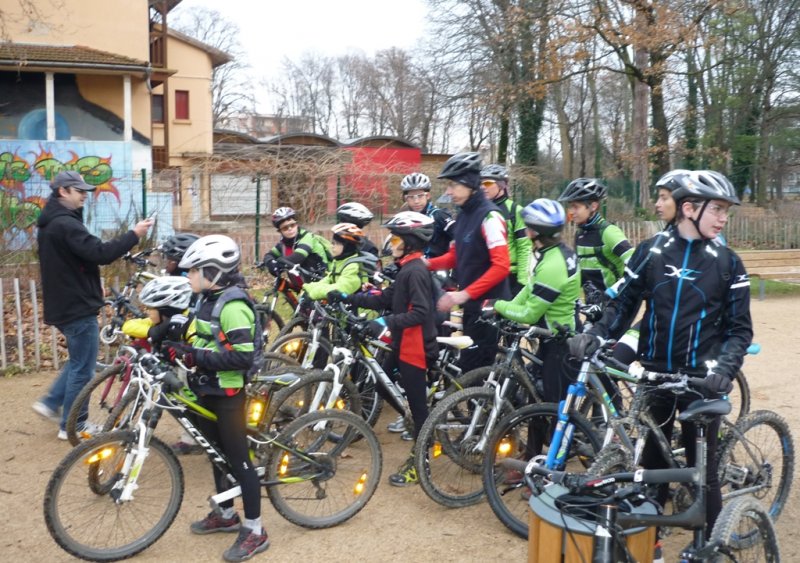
pixel 504 447
pixel 99 455
pixel 359 488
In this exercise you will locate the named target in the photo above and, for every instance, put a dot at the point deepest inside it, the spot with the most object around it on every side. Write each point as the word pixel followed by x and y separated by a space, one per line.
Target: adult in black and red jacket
pixel 411 324
pixel 478 256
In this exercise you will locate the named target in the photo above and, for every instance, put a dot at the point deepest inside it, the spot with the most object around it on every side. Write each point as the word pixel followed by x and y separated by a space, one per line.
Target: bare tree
pixel 231 87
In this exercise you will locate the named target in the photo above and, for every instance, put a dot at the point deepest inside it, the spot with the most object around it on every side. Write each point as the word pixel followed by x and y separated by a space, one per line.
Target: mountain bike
pixel 123 305
pixel 116 494
pixel 605 505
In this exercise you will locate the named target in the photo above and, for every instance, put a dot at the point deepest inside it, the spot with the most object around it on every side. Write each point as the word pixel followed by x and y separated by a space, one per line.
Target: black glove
pixel 390 271
pixel 335 296
pixel 376 328
pixel 718 383
pixel 273 266
pixel 177 327
pixel 583 345
pixel 179 350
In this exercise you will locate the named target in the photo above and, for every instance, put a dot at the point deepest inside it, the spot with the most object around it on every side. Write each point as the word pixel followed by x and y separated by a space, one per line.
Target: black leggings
pixel 485 338
pixel 663 408
pixel 230 434
pixel 413 380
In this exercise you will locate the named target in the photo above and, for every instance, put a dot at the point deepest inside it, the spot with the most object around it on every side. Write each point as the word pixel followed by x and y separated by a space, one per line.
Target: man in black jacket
pixel 69 258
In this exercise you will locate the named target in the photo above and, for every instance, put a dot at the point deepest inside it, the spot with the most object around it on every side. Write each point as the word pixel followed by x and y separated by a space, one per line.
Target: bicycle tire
pixel 88 525
pixel 750 456
pixel 739 397
pixel 295 346
pixel 448 467
pixel 271 322
pixel 295 324
pixel 477 377
pixel 505 489
pixel 350 475
pixel 371 401
pixel 100 395
pixel 294 400
pixel 745 525
pixel 614 458
pixel 125 412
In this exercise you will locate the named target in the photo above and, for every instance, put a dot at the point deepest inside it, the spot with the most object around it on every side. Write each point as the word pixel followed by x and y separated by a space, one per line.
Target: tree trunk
pixel 639 132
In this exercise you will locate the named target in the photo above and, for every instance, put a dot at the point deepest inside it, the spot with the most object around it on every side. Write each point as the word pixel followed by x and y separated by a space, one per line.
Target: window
pixel 157 108
pixel 181 104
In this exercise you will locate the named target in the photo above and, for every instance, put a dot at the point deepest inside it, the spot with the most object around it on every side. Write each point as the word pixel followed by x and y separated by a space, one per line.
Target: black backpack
pixel 234 293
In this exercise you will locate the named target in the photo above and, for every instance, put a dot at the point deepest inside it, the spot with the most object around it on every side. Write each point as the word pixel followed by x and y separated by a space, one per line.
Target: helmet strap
pixel 696 221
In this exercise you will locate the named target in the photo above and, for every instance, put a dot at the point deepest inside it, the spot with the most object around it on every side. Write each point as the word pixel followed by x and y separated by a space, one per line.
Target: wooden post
pixel 54 344
pixel 3 360
pixel 20 341
pixel 37 343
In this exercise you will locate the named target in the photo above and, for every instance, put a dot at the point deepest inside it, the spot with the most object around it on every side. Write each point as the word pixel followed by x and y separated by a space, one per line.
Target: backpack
pixel 234 293
pixel 322 248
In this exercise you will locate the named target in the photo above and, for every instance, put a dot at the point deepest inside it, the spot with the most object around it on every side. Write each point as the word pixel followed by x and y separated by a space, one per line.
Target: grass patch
pixel 774 288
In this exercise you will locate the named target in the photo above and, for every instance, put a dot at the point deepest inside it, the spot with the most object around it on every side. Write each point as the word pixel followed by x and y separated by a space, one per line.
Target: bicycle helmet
pixel 584 189
pixel 496 172
pixel 668 181
pixel 167 291
pixel 354 213
pixel 464 168
pixel 415 181
pixel 348 233
pixel 218 251
pixel 175 246
pixel 704 184
pixel 282 214
pixel 545 216
pixel 411 224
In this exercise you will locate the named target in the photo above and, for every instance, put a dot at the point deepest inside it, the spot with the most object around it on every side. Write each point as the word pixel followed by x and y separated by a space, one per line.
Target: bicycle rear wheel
pixel 324 468
pixel 95 402
pixel 447 456
pixel 87 522
pixel 745 532
pixel 756 457
pixel 522 435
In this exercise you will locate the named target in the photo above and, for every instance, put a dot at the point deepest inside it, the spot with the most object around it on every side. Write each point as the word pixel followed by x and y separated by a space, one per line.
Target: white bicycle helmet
pixel 411 223
pixel 668 181
pixel 218 251
pixel 545 216
pixel 355 213
pixel 282 214
pixel 415 181
pixel 496 172
pixel 167 291
pixel 706 185
pixel 584 189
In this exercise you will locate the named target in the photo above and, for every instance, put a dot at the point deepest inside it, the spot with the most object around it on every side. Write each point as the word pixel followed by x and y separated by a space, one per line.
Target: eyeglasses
pixel 488 183
pixel 416 197
pixel 287 226
pixel 395 240
pixel 718 210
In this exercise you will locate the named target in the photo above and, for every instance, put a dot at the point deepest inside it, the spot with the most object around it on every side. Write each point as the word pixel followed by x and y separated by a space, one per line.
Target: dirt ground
pixel 397 524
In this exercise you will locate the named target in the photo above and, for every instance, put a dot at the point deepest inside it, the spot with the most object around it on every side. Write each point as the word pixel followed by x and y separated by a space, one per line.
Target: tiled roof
pixel 40 55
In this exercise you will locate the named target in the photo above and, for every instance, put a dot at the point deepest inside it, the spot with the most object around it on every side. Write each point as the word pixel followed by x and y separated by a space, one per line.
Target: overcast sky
pixel 274 29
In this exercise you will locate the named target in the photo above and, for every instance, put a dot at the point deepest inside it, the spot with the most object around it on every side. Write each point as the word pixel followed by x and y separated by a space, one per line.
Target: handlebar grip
pixel 171 381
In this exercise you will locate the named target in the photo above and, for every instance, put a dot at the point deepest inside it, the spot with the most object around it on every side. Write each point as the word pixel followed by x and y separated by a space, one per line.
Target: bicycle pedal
pixel 735 474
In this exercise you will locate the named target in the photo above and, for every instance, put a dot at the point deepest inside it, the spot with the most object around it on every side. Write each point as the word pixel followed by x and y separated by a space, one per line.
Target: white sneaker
pixel 397 426
pixel 62 435
pixel 43 410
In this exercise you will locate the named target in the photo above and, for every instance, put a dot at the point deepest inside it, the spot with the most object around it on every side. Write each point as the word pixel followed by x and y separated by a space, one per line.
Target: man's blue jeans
pixel 82 344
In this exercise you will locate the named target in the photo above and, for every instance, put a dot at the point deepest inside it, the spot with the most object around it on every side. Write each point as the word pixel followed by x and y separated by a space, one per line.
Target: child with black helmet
pixel 602 248
pixel 417 197
pixel 348 269
pixel 358 215
pixel 411 322
pixel 297 246
pixel 173 250
pixel 221 359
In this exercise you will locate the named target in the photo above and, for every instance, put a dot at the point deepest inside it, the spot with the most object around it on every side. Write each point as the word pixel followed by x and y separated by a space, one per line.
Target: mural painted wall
pixel 27 167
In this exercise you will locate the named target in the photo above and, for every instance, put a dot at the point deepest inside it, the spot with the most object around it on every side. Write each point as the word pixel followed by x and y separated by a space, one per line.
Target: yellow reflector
pixel 284 464
pixel 340 404
pixel 100 455
pixel 437 449
pixel 292 347
pixel 359 488
pixel 504 447
pixel 255 413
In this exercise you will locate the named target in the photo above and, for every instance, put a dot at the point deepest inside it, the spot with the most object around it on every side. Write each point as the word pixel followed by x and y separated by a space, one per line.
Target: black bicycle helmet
pixel 460 164
pixel 282 214
pixel 355 213
pixel 496 172
pixel 411 223
pixel 668 181
pixel 175 246
pixel 415 181
pixel 706 185
pixel 545 216
pixel 584 189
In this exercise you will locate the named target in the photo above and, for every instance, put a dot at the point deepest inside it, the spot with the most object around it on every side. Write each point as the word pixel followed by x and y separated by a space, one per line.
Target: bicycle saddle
pixel 705 407
pixel 458 342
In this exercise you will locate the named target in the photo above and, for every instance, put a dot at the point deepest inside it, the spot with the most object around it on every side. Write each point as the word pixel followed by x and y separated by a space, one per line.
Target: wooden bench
pixel 771 265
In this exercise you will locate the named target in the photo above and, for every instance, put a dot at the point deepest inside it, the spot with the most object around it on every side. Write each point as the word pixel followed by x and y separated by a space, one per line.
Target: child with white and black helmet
pixel 221 360
pixel 696 320
pixel 296 246
pixel 165 298
pixel 602 248
pixel 417 196
pixel 173 250
pixel 411 323
pixel 357 214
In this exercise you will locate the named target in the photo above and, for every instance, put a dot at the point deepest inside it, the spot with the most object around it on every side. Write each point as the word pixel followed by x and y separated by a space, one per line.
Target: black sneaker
pixel 246 545
pixel 214 522
pixel 406 475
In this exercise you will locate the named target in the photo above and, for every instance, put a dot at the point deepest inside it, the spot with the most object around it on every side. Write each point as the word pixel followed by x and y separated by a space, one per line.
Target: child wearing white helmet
pixel 223 353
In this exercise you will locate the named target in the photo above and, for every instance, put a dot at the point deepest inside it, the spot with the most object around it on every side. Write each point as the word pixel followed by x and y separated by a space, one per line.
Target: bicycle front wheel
pixel 87 521
pixel 271 322
pixel 745 532
pixel 522 435
pixel 756 457
pixel 324 468
pixel 95 402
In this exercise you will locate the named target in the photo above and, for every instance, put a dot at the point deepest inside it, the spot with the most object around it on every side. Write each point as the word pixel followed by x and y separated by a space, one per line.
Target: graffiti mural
pixel 27 167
